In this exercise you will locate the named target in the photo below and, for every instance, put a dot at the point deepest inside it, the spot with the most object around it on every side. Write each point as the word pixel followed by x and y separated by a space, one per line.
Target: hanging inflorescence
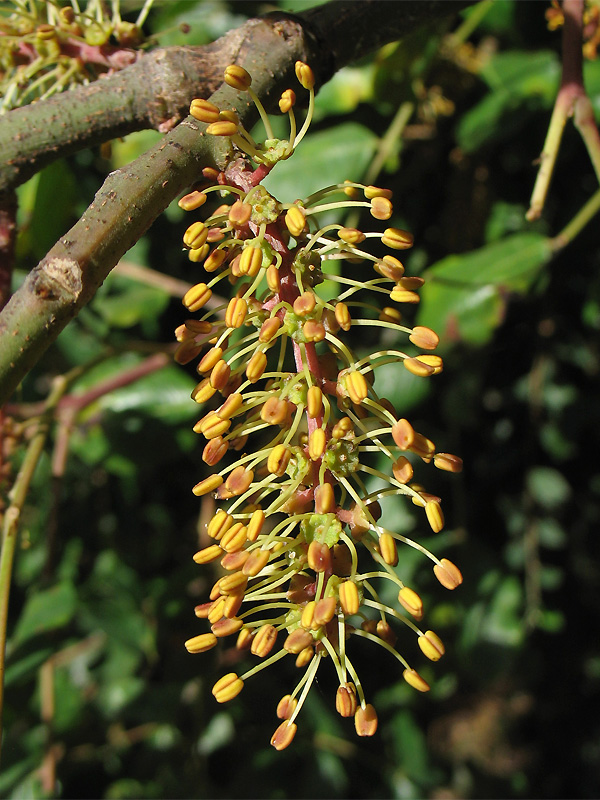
pixel 296 417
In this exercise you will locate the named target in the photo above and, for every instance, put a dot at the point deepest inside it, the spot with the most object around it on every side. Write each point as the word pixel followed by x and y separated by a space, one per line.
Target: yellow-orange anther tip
pixel 411 601
pixel 227 687
pixel 237 77
pixel 207 485
pixel 448 574
pixel 287 101
pixel 284 735
pixel 412 677
pixel 222 128
pixel 202 643
pixel 435 515
pixel 305 75
pixel 365 720
pixel 397 239
pixel 432 646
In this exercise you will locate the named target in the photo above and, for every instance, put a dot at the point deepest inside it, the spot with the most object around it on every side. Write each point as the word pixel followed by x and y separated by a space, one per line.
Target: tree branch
pixel 131 198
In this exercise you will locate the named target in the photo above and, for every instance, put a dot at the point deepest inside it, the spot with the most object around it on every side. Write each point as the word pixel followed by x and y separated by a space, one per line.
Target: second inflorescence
pixel 295 420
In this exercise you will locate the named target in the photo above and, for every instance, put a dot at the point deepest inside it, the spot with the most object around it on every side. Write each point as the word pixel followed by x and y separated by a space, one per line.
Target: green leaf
pixel 548 487
pixel 465 296
pixel 521 82
pixel 46 611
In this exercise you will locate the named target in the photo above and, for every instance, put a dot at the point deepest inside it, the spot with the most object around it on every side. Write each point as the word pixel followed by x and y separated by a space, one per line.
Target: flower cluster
pixel 45 48
pixel 294 417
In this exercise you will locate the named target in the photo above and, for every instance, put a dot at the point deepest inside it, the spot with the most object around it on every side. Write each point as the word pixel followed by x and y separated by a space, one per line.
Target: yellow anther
pixel 192 201
pixel 198 254
pixel 239 481
pixel 251 261
pixel 381 208
pixel 308 615
pixel 313 330
pixel 402 470
pixel 435 516
pixel 403 434
pixel 264 640
pixel 219 377
pixel 314 402
pixel 230 406
pixel 195 236
pixel 237 308
pixel 305 75
pixel 388 549
pixel 397 239
pixel 411 601
pixel 204 111
pixel 255 525
pixel 235 538
pixel 448 462
pixel 342 316
pixel 228 687
pixel 324 611
pixel 400 295
pixel 237 77
pixel 286 706
pixel 215 260
pixel 219 524
pixel 349 598
pixel 342 427
pixel 222 128
pixel 319 556
pixel 197 297
pixel 203 391
pixel 431 644
pixel 297 641
pixel 273 281
pixel 208 554
pixel 412 677
pixel 448 574
pixel 284 735
pixel 295 221
pixel 365 720
pixel 356 386
pixel 389 314
pixel 233 584
pixel 375 191
pixel 256 366
pixel 274 411
pixel 287 100
pixel 351 235
pixel 202 643
pixel 324 499
pixel 269 329
pixel 207 485
pixel 187 351
pixel 317 442
pixel 433 361
pixel 256 562
pixel 305 304
pixel 345 700
pixel 278 460
pixel 390 267
pixel 208 361
pixel 424 337
pixel 304 657
pixel 418 367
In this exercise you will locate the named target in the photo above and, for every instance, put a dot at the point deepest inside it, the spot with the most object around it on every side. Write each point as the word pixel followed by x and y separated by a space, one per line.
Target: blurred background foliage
pixel 102 699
